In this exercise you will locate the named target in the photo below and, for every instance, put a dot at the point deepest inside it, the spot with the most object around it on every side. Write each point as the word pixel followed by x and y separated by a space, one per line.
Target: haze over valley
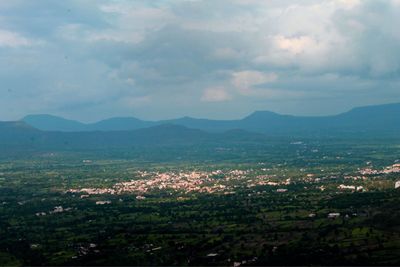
pixel 199 133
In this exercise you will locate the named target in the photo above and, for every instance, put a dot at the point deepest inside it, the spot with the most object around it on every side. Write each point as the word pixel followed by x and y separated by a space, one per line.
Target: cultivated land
pixel 282 202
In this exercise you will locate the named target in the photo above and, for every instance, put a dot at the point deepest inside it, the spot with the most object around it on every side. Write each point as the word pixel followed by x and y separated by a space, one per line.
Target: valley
pixel 322 202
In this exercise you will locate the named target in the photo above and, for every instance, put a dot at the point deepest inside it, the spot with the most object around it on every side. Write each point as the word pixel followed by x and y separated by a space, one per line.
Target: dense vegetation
pixel 41 223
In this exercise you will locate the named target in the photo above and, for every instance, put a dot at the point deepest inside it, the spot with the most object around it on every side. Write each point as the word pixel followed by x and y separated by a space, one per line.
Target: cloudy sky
pixel 158 59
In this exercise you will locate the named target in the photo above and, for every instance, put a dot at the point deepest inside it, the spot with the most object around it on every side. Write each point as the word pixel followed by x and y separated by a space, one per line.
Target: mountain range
pixel 370 119
pixel 45 132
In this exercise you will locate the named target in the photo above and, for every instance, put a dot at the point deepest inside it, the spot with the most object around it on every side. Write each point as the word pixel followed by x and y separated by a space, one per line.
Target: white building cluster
pixel 215 181
pixel 395 168
pixel 351 187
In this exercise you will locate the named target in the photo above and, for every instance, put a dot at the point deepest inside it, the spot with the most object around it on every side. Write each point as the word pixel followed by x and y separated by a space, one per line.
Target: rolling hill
pixel 19 135
pixel 370 120
pixel 47 122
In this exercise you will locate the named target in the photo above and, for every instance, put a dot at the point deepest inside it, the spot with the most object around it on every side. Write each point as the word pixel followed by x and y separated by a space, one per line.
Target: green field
pixel 226 213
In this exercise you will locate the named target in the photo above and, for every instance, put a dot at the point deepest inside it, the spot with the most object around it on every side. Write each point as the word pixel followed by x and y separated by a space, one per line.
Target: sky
pixel 220 59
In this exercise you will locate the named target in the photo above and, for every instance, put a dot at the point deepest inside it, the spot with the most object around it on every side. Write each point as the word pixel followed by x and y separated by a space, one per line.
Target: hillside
pixel 370 120
pixel 21 136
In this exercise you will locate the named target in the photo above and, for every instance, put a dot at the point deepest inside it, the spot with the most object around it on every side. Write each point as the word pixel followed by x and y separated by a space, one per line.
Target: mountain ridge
pixel 359 119
pixel 166 135
pixel 255 130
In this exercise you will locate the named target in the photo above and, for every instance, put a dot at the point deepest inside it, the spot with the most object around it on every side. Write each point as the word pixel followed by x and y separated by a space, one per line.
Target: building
pixel 333 215
pixel 281 190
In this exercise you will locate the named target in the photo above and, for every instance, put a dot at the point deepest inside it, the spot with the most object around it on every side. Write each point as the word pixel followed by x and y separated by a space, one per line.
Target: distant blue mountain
pixel 370 120
pixel 53 123
pixel 45 132
pixel 18 136
pixel 46 122
pixel 119 124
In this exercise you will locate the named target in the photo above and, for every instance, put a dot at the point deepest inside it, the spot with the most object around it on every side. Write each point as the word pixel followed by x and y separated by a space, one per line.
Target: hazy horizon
pixel 199 133
pixel 91 60
pixel 172 118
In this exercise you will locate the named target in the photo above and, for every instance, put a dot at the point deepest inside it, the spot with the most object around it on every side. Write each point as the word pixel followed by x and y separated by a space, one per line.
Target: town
pixel 219 181
pixel 301 198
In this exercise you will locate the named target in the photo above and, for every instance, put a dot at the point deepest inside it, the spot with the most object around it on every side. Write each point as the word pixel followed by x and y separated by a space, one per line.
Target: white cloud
pixel 227 53
pixel 12 39
pixel 131 22
pixel 133 102
pixel 272 93
pixel 107 55
pixel 215 94
pixel 396 3
pixel 244 81
pixel 295 45
pixel 349 3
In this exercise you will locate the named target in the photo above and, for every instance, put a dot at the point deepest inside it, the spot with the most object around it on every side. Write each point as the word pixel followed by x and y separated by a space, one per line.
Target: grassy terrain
pixel 255 225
